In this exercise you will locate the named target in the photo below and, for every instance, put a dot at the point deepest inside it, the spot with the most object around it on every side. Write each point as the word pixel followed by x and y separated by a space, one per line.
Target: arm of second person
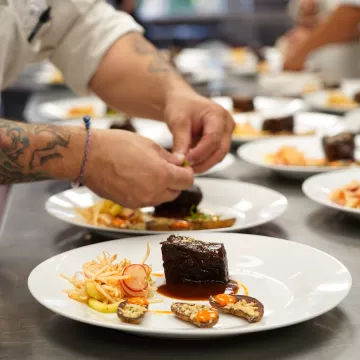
pixel 341 26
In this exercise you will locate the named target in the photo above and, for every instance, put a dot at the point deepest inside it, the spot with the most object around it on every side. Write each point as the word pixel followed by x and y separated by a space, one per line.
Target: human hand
pixel 134 171
pixel 202 129
pixel 297 36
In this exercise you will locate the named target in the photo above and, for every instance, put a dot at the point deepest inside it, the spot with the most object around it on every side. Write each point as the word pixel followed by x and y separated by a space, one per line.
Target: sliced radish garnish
pixel 132 293
pixel 138 277
pixel 148 269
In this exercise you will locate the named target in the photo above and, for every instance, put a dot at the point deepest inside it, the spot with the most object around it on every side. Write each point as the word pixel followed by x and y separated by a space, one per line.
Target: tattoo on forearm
pixel 25 149
pixel 158 64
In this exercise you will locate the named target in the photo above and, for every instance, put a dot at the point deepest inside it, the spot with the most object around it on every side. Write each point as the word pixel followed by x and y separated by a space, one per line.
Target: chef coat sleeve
pixel 84 44
pixel 350 2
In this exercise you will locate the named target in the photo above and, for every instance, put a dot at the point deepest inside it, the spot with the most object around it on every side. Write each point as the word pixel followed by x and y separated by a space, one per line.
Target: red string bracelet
pixel 87 122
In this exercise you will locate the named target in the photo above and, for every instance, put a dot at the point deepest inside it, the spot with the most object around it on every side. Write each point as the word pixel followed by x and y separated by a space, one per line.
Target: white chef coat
pixel 76 38
pixel 350 2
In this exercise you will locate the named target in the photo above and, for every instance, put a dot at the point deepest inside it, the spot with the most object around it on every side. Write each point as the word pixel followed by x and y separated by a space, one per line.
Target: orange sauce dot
pixel 138 301
pixel 206 316
pixel 224 299
pixel 180 225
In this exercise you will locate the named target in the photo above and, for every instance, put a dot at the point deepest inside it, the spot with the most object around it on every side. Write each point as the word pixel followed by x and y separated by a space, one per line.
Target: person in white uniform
pixel 339 27
pixel 103 51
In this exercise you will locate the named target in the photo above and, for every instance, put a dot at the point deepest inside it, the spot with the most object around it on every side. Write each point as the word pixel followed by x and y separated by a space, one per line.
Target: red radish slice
pixel 132 293
pixel 138 278
pixel 147 269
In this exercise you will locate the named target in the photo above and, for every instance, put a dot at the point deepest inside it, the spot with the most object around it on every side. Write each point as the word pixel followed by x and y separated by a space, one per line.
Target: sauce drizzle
pixel 197 291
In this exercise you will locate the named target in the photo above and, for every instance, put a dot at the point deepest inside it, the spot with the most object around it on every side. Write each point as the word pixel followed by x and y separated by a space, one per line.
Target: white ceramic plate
pixel 283 275
pixel 288 83
pixel 319 101
pixel 265 105
pixel 252 205
pixel 319 187
pixel 255 152
pixel 304 123
pixel 59 110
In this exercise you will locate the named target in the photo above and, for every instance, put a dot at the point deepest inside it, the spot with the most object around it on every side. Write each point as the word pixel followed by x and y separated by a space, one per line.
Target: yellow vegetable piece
pixel 92 291
pixel 107 204
pixel 103 308
pixel 115 209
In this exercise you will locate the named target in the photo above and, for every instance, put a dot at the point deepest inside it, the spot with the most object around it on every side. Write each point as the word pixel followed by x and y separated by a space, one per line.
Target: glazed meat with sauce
pixel 243 104
pixel 278 125
pixel 182 206
pixel 187 261
pixel 357 97
pixel 339 147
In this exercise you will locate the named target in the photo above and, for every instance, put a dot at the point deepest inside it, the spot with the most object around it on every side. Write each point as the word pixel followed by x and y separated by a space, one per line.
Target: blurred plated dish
pixel 335 101
pixel 339 190
pixel 290 83
pixel 73 108
pixel 250 205
pixel 250 127
pixel 301 157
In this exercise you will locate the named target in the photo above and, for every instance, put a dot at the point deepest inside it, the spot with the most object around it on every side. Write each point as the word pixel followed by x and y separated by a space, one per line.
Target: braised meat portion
pixel 243 103
pixel 279 125
pixel 182 206
pixel 339 147
pixel 187 260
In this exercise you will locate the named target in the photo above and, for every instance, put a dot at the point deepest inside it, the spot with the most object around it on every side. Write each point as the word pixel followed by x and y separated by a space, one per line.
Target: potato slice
pixel 101 307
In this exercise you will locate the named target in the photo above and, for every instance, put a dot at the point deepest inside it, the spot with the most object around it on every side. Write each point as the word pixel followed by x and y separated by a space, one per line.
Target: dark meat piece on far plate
pixel 123 125
pixel 357 97
pixel 278 125
pixel 188 261
pixel 243 103
pixel 181 207
pixel 339 147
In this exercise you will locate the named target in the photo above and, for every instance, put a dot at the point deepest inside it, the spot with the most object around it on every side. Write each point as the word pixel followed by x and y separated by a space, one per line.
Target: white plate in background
pixel 59 109
pixel 252 205
pixel 283 275
pixel 305 122
pixel 289 83
pixel 319 187
pixel 256 151
pixel 319 101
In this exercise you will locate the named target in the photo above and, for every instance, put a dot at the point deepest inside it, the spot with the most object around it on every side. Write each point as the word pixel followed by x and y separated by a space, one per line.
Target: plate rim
pixel 196 333
pixel 307 183
pixel 281 197
pixel 283 168
pixel 308 98
pixel 238 139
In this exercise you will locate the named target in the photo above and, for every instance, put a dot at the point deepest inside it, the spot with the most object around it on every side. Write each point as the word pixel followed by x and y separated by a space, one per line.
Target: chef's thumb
pixel 182 139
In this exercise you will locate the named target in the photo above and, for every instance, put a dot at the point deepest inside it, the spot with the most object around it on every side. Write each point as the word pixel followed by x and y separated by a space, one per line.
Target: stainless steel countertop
pixel 29 331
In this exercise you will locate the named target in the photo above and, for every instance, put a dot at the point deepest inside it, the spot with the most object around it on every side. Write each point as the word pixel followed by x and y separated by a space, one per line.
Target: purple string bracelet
pixel 87 122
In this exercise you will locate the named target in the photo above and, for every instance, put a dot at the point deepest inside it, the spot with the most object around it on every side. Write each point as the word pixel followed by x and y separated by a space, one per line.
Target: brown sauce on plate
pixel 197 291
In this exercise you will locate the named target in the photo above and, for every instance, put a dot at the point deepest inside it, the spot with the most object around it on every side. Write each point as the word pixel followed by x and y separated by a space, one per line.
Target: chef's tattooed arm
pixel 135 78
pixel 38 152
